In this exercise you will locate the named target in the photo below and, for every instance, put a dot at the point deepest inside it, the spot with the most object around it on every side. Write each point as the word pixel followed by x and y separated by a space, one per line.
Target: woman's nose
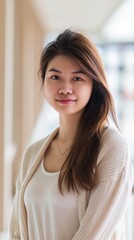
pixel 65 89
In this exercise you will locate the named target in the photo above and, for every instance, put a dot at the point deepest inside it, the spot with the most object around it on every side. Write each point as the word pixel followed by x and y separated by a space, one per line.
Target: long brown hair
pixel 79 168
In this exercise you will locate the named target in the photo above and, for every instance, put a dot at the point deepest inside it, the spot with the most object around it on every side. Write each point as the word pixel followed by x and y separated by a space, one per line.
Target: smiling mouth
pixel 65 101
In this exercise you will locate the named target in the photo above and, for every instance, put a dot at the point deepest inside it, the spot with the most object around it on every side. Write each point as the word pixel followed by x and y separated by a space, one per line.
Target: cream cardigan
pixel 101 211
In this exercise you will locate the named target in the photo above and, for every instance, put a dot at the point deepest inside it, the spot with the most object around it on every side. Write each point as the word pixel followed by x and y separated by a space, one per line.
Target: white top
pixel 50 215
pixel 101 212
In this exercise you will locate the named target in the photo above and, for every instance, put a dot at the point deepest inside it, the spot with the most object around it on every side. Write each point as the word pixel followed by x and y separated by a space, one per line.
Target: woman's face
pixel 67 87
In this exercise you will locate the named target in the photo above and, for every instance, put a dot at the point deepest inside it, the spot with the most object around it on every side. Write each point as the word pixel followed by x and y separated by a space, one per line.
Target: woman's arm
pixel 14 229
pixel 28 158
pixel 109 198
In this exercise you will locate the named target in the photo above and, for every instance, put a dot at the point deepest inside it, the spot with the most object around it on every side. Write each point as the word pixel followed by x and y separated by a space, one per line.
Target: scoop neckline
pixel 46 172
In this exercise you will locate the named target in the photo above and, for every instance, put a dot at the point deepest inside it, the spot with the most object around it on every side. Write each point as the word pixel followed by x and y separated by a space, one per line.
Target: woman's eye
pixel 55 77
pixel 77 79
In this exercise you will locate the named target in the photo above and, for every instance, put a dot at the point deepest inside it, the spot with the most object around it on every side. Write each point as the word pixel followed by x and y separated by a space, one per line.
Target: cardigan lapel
pixel 31 171
pixel 43 147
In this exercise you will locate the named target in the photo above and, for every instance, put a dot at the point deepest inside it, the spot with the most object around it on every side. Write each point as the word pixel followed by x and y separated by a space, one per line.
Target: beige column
pixel 2 39
pixel 8 108
pixel 28 42
pixel 21 41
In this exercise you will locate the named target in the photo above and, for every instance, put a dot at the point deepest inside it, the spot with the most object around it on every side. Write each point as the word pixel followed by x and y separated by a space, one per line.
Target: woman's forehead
pixel 61 62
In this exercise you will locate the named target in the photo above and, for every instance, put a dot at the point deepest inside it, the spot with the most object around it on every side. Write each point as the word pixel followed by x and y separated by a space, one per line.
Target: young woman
pixel 76 183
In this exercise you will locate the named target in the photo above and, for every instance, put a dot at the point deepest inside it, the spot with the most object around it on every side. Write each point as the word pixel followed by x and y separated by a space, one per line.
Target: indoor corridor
pixel 25 27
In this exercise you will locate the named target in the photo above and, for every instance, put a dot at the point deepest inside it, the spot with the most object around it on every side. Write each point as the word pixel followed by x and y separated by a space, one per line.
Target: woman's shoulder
pixel 30 153
pixel 113 137
pixel 35 146
pixel 114 147
pixel 33 150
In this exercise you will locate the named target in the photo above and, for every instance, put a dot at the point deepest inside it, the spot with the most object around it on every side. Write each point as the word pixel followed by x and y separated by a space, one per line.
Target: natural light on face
pixel 67 87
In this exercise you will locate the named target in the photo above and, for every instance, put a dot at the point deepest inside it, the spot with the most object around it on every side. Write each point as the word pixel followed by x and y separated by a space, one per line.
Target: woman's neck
pixel 68 127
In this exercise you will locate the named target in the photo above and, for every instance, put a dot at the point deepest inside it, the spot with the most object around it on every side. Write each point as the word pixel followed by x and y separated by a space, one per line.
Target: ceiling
pixel 87 15
pixel 120 26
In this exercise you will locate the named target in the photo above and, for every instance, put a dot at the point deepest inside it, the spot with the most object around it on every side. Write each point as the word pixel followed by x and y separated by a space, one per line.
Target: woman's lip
pixel 65 101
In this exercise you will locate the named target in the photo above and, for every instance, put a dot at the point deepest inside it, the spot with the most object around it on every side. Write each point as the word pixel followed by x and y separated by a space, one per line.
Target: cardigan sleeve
pixel 14 229
pixel 14 233
pixel 109 198
pixel 27 160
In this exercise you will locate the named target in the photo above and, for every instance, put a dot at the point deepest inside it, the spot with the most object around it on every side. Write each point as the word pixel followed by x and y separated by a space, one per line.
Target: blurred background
pixel 25 27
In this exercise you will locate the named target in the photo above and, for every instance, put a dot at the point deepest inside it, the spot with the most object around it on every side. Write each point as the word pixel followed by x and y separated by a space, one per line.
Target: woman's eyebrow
pixel 79 71
pixel 54 70
pixel 75 72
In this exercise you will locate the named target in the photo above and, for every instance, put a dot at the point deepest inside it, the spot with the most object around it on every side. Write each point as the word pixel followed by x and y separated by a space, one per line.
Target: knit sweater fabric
pixel 101 211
